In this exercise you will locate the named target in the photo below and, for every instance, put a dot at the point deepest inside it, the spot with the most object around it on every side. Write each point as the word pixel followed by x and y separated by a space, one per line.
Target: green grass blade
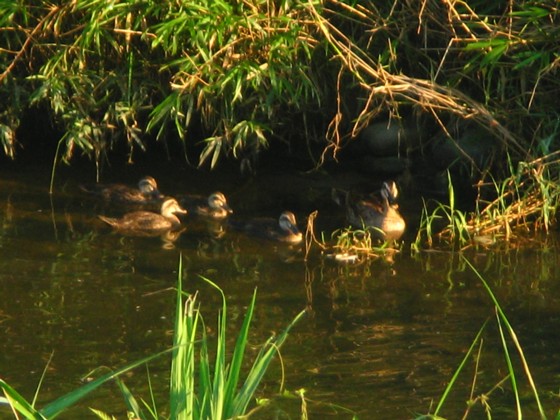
pixel 220 366
pixel 513 336
pixel 451 383
pixel 510 368
pixel 54 408
pixel 205 379
pixel 238 354
pixel 182 397
pixel 17 402
pixel 152 409
pixel 130 400
pixel 42 378
pixel 259 368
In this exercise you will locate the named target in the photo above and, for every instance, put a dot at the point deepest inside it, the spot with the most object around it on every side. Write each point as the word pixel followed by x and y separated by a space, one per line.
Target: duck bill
pixel 294 229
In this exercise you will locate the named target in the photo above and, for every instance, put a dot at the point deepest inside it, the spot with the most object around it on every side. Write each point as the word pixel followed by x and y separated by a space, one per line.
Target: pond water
pixel 381 339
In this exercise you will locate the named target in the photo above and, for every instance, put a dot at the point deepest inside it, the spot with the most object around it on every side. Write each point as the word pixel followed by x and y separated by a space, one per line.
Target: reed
pixel 351 245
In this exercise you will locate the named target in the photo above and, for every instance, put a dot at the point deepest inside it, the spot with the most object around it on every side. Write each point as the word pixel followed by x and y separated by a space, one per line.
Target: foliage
pixel 249 72
pixel 221 392
pixel 110 71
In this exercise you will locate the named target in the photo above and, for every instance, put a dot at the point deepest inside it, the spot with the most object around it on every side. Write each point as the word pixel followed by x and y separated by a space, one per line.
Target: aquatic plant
pixel 199 388
pixel 351 244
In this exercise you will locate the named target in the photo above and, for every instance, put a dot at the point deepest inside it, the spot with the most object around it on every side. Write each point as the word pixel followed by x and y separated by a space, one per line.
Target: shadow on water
pixel 381 339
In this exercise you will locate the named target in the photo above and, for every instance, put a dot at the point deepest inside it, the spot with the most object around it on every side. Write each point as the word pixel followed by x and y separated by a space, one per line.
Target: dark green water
pixel 382 339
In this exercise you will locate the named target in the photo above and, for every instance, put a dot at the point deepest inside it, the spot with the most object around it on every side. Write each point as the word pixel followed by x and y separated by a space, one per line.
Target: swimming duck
pixel 148 222
pixel 214 207
pixel 147 192
pixel 378 211
pixel 283 230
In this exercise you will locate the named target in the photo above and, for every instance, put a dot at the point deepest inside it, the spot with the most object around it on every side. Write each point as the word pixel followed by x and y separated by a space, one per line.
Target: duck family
pixel 376 211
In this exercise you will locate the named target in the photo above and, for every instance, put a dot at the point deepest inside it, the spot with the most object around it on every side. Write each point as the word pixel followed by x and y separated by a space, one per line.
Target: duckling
pixel 147 192
pixel 283 230
pixel 147 222
pixel 378 211
pixel 214 207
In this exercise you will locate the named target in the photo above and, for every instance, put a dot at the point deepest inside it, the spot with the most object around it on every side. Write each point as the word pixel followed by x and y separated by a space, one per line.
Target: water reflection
pixel 383 336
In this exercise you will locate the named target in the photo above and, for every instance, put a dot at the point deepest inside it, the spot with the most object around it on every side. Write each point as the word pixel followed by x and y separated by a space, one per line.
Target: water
pixel 381 339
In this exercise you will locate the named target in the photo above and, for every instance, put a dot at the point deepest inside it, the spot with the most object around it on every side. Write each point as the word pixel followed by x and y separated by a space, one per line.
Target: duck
pixel 378 211
pixel 147 222
pixel 215 206
pixel 284 229
pixel 147 192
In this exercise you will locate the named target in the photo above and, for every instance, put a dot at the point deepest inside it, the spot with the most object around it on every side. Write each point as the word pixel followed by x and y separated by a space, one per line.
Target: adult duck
pixel 283 229
pixel 378 211
pixel 146 192
pixel 147 222
pixel 215 206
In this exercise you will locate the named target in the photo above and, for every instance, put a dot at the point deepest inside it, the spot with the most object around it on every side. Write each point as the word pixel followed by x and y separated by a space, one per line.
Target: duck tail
pixel 109 220
pixel 92 189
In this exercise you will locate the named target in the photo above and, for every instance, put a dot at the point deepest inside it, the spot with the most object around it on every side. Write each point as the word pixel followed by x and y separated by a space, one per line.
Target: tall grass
pixel 200 388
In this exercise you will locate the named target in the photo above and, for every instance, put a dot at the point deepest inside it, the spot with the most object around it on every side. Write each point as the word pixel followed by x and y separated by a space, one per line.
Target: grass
pixel 200 388
pixel 526 200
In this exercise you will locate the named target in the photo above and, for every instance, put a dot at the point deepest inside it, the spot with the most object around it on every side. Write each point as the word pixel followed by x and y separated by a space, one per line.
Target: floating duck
pixel 378 211
pixel 284 229
pixel 147 222
pixel 214 207
pixel 147 192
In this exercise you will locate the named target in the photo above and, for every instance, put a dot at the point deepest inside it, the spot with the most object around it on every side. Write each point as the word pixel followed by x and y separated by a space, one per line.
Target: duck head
pixel 390 192
pixel 148 187
pixel 217 201
pixel 171 207
pixel 287 223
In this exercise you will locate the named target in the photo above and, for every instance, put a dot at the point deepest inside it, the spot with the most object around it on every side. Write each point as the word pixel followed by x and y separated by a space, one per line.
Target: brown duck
pixel 215 206
pixel 148 222
pixel 378 211
pixel 284 229
pixel 147 192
